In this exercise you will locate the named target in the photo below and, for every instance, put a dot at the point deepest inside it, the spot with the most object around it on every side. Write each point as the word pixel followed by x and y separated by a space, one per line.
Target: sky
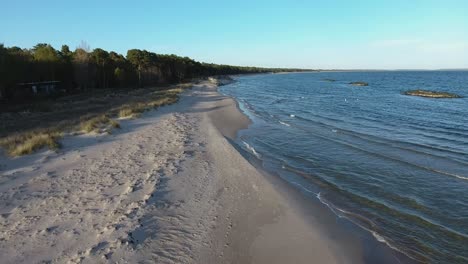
pixel 367 34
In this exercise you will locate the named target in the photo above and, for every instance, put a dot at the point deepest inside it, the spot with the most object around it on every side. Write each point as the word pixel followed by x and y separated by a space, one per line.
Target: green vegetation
pixel 85 69
pixel 359 83
pixel 45 92
pixel 432 94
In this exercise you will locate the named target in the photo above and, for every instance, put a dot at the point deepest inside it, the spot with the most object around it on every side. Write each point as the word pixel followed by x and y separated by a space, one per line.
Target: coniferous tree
pixel 85 69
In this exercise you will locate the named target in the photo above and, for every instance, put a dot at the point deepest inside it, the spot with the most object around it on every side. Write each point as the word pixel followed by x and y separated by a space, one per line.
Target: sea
pixel 395 166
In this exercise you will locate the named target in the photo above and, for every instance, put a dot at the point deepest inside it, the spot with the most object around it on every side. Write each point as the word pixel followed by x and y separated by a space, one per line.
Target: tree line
pixel 84 69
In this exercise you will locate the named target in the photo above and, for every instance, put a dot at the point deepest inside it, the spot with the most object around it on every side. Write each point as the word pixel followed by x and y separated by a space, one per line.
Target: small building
pixel 33 89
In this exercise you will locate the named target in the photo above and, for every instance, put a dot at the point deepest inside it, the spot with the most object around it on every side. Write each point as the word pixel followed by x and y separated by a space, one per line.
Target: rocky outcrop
pixel 431 94
pixel 359 83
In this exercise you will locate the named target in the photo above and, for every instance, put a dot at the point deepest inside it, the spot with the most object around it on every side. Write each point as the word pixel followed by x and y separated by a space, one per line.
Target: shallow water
pixel 395 165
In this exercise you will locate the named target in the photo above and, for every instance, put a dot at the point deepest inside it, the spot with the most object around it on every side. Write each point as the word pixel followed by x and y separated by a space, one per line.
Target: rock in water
pixel 359 83
pixel 431 94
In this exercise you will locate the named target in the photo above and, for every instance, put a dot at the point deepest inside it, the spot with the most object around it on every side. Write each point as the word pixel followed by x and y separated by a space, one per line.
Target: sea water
pixel 394 165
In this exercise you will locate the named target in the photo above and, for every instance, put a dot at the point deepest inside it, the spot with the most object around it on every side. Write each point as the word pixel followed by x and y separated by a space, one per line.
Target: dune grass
pixel 114 124
pixel 155 100
pixel 132 110
pixel 20 144
pixel 98 123
pixel 24 143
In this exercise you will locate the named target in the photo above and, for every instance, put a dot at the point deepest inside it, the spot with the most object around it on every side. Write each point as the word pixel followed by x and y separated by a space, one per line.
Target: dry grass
pixel 138 102
pixel 132 110
pixel 156 99
pixel 26 143
pixel 161 102
pixel 98 123
pixel 125 112
pixel 114 124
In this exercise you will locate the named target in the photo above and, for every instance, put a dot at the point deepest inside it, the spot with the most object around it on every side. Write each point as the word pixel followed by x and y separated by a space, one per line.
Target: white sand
pixel 166 188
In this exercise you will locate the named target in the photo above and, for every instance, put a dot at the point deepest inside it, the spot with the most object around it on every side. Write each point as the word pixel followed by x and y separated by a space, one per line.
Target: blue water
pixel 395 165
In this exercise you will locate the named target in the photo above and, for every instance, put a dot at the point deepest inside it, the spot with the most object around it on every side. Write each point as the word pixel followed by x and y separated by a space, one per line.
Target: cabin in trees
pixel 33 89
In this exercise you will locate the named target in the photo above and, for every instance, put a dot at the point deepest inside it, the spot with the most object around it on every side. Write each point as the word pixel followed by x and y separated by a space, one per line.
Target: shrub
pixel 133 110
pixel 97 123
pixel 26 143
pixel 94 123
pixel 114 124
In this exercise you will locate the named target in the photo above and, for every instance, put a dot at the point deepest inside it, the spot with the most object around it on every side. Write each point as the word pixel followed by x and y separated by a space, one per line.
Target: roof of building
pixel 37 83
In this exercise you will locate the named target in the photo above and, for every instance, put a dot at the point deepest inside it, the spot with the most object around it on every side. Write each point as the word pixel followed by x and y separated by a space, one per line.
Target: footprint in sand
pixel 99 247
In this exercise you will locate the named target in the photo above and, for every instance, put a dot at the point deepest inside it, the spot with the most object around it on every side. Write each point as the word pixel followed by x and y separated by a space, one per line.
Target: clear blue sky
pixel 309 34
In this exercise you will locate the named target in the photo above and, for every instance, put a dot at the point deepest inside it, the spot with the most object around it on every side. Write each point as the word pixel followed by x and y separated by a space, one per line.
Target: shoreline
pixel 370 250
pixel 169 187
pixel 281 233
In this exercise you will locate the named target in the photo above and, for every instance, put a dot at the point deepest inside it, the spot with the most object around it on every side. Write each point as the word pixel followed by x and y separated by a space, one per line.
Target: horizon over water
pixel 394 165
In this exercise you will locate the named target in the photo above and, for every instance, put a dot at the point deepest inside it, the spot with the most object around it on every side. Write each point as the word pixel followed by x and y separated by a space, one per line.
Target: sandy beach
pixel 168 187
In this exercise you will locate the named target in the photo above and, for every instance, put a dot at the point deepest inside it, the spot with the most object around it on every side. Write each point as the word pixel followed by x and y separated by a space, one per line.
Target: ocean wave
pixel 376 153
pixel 301 186
pixel 461 177
pixel 383 207
pixel 404 145
pixel 445 137
pixel 379 237
pixel 251 149
pixel 422 149
pixel 278 101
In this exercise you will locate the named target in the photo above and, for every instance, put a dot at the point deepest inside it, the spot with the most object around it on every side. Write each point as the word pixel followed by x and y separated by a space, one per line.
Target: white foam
pixel 332 208
pixel 379 237
pixel 251 149
pixel 302 187
pixel 283 123
pixel 461 177
pixel 292 115
pixel 447 173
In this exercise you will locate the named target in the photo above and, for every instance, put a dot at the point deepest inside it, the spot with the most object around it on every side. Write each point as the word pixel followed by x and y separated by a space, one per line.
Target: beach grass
pixel 155 100
pixel 26 143
pixel 132 110
pixel 102 121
